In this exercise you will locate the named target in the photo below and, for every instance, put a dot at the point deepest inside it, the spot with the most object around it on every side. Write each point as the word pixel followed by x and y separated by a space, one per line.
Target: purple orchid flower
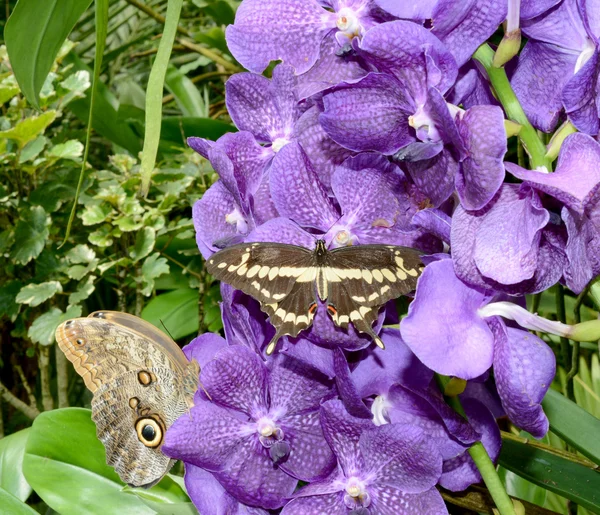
pixel 452 329
pixel 387 469
pixel 260 431
pixel 293 30
pixel 512 245
pixel 576 184
pixel 559 64
pixel 228 210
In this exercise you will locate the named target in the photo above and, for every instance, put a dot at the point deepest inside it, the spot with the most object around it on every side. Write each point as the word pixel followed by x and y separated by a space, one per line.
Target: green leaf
pixel 13 506
pixel 129 223
pixel 168 497
pixel 177 310
pixel 35 294
pixel 176 129
pixel 571 480
pixel 186 94
pixel 30 235
pixel 83 292
pixel 101 237
pixel 43 328
pixel 144 243
pixel 8 295
pixel 7 92
pixel 96 214
pixel 30 128
pixel 71 149
pixel 81 254
pixel 573 424
pixel 34 34
pixel 66 466
pixel 153 267
pixel 33 149
pixel 12 480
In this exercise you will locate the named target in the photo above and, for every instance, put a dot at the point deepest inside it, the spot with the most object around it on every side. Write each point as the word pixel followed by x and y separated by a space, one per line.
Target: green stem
pixel 532 143
pixel 101 10
pixel 154 94
pixel 564 342
pixel 483 463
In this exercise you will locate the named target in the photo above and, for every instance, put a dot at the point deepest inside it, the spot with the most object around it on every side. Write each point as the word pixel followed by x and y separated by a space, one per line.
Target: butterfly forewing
pixel 266 271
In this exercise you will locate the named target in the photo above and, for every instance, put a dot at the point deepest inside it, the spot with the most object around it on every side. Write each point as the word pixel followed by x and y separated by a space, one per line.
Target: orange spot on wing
pixel 332 311
pixel 312 308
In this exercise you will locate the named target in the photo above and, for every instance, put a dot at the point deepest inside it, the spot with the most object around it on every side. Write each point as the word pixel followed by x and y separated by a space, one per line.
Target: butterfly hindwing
pixel 266 271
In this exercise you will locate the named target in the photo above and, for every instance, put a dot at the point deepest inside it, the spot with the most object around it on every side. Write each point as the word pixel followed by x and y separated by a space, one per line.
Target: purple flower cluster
pixel 358 138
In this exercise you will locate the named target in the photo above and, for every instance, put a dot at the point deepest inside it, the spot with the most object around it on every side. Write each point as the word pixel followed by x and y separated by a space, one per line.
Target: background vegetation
pixel 138 253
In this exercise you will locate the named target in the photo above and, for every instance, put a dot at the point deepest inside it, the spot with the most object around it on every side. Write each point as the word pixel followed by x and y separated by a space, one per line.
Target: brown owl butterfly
pixel 141 381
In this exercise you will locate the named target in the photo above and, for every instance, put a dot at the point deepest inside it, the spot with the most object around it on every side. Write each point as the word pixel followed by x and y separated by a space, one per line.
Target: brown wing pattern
pixel 266 271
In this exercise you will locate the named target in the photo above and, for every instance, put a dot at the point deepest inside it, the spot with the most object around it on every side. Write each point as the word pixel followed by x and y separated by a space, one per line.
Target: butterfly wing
pixel 266 271
pixel 371 275
pixel 138 378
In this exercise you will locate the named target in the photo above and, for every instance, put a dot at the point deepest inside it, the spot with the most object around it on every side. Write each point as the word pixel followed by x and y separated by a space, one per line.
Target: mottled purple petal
pixel 391 501
pixel 560 26
pixel 580 95
pixel 208 437
pixel 482 171
pixel 200 145
pixel 209 496
pixel 310 457
pixel 507 241
pixel 543 70
pixel 401 456
pixel 329 70
pixel 325 154
pixel 289 30
pixel 342 432
pixel 379 369
pixel 463 26
pixel 410 10
pixel 347 389
pixel 265 486
pixel 442 326
pixel 589 10
pixel 371 114
pixel 282 230
pixel 413 54
pixel 317 357
pixel 582 249
pixel 533 8
pixel 263 207
pixel 332 504
pixel 294 387
pixel 577 172
pixel 237 379
pixel 435 177
pixel 297 191
pixel 471 88
pixel 216 216
pixel 435 222
pixel 204 348
pixel 461 472
pixel 524 367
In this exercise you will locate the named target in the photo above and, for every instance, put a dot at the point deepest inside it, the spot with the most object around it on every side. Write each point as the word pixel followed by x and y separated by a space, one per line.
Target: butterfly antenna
pixel 166 330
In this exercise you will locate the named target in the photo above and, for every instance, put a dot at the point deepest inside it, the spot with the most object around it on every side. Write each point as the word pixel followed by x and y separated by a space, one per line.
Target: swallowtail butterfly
pixel 288 281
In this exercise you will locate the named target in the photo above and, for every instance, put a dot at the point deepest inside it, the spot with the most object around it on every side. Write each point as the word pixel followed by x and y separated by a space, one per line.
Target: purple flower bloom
pixel 510 245
pixel 449 330
pixel 260 431
pixel 576 184
pixel 293 30
pixel 387 469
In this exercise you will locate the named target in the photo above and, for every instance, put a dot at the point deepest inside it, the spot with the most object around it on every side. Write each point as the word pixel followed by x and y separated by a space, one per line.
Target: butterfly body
pixel 141 382
pixel 291 281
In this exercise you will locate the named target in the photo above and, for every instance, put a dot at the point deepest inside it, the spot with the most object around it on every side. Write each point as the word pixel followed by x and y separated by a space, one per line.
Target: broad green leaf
pixel 43 328
pixel 144 243
pixel 101 237
pixel 167 497
pixel 7 92
pixel 8 294
pixel 33 149
pixel 186 94
pixel 35 294
pixel 177 310
pixel 34 34
pixel 13 506
pixel 129 223
pixel 57 187
pixel 81 254
pixel 30 235
pixel 571 480
pixel 175 129
pixel 66 466
pixel 83 291
pixel 12 480
pixel 573 424
pixel 96 214
pixel 153 267
pixel 29 128
pixel 71 149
